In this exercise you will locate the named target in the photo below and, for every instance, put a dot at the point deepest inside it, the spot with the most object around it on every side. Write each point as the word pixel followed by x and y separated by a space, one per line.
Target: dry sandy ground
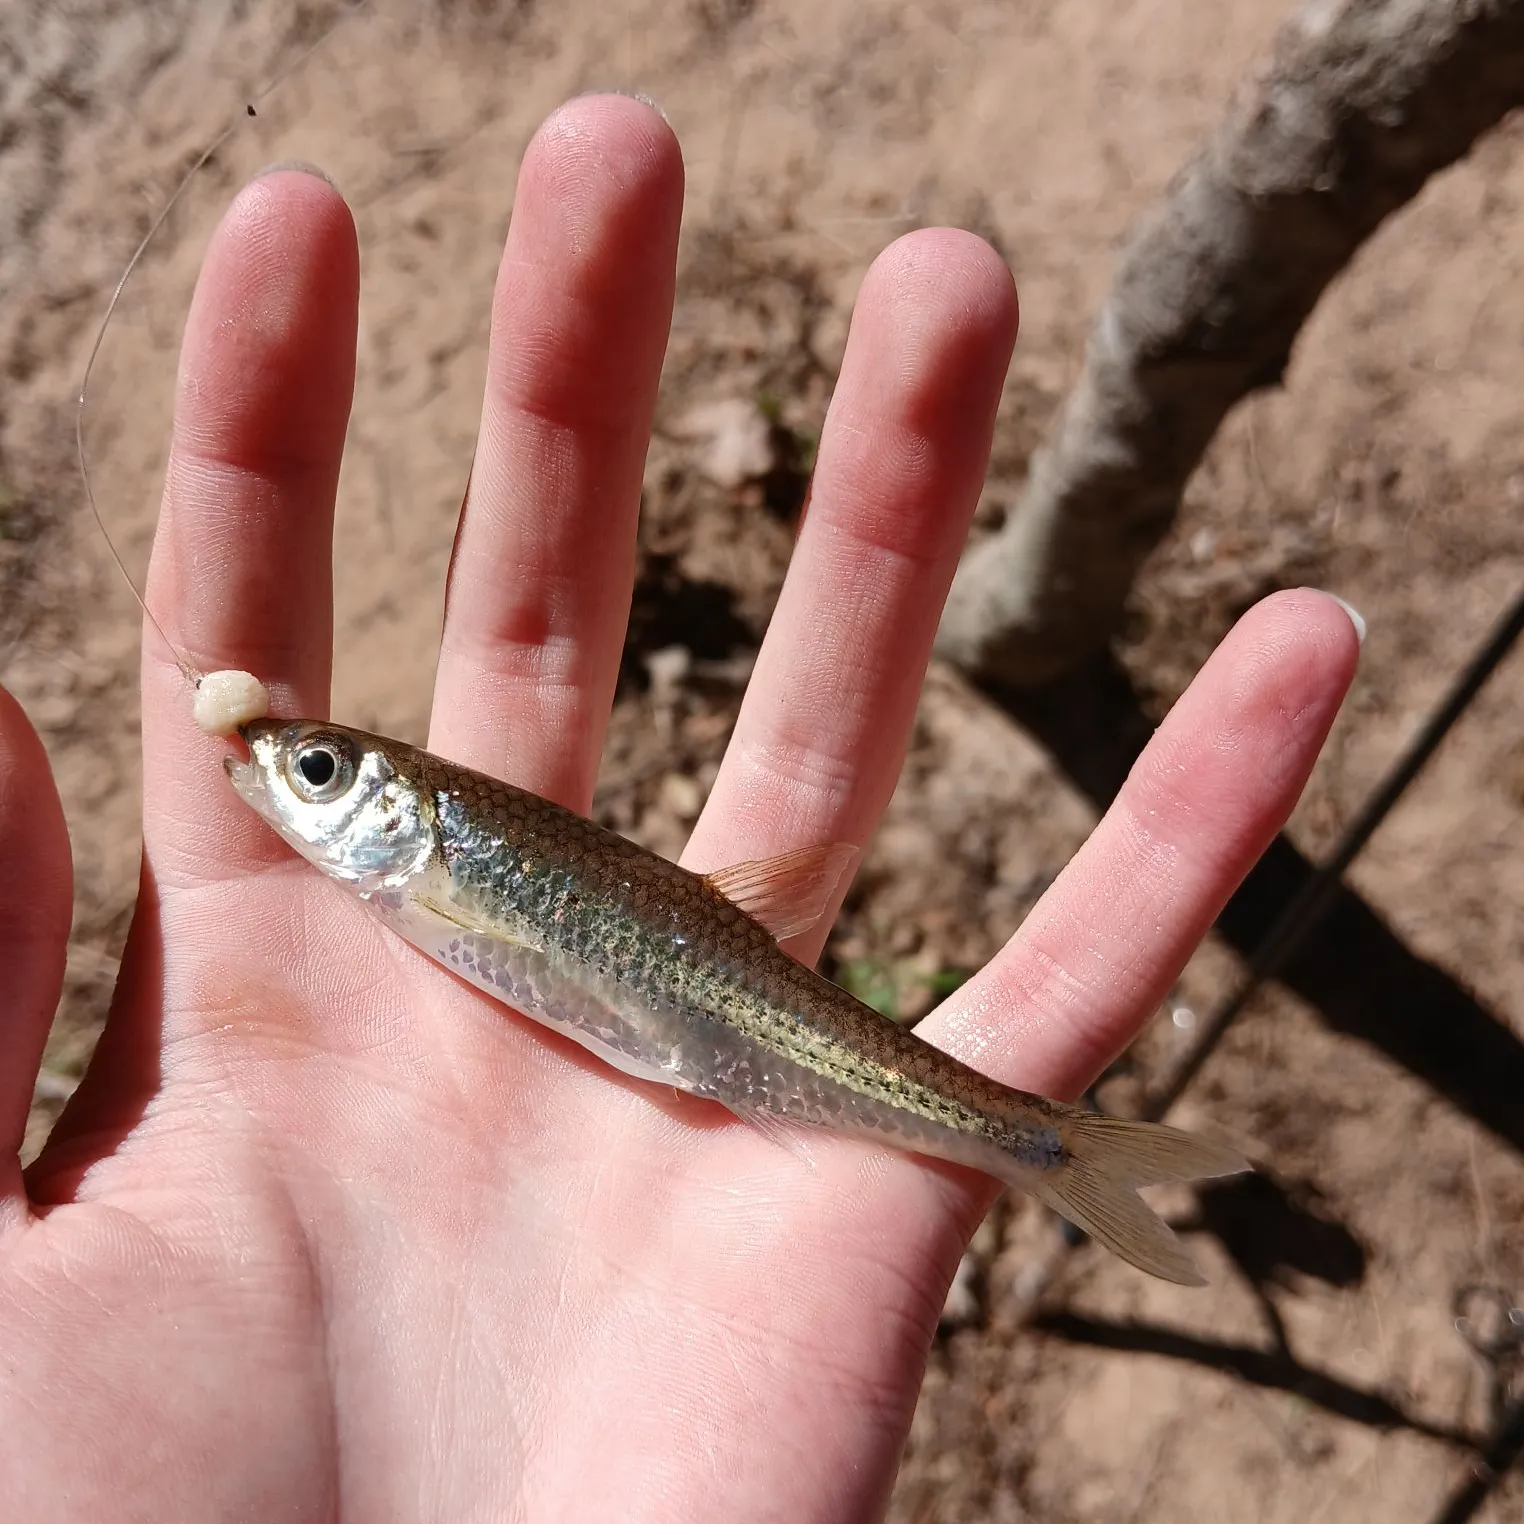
pixel 1321 1376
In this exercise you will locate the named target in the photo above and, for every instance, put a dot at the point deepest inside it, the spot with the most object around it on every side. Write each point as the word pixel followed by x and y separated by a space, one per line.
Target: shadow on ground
pixel 1275 1369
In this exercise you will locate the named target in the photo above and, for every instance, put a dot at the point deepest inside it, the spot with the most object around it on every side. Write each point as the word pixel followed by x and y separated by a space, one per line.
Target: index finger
pixel 241 572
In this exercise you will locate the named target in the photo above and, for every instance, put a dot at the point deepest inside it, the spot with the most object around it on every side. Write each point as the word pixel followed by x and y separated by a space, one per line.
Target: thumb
pixel 36 897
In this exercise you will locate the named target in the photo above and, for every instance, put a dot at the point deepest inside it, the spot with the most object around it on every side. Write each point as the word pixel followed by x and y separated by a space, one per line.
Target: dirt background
pixel 1322 1375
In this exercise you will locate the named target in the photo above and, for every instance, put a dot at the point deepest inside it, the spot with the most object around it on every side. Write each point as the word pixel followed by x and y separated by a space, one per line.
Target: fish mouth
pixel 251 782
pixel 244 773
pixel 240 773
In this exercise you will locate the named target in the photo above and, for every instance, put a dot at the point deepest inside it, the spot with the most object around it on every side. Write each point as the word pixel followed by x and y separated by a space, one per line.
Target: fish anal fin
pixel 782 1133
pixel 789 893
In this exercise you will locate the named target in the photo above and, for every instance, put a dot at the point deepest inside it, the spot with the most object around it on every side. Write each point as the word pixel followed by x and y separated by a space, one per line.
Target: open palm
pixel 325 1233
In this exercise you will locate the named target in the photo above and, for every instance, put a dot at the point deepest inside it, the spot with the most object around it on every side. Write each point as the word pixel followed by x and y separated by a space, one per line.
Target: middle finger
pixel 540 581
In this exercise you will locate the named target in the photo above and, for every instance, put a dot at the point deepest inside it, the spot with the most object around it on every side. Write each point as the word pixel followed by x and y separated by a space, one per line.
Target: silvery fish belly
pixel 679 979
pixel 556 990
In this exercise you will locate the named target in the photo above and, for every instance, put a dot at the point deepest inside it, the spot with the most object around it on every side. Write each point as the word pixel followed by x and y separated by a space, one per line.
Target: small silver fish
pixel 679 979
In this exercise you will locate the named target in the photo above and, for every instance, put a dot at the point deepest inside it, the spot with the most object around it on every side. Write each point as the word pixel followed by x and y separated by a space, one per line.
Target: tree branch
pixel 1361 102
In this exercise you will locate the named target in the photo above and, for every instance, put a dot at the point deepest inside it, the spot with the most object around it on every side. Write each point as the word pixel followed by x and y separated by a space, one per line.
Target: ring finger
pixel 820 738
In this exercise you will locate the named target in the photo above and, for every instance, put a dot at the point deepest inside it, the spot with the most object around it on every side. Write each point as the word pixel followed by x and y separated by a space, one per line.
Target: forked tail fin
pixel 1096 1187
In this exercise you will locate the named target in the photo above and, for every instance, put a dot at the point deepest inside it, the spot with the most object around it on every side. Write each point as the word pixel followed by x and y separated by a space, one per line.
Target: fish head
pixel 346 800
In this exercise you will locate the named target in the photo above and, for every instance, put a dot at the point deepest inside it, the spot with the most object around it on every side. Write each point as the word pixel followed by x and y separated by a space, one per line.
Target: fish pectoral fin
pixel 789 893
pixel 477 926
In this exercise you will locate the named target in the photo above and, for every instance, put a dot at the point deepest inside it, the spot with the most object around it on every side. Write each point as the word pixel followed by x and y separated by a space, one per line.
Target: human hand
pixel 324 1232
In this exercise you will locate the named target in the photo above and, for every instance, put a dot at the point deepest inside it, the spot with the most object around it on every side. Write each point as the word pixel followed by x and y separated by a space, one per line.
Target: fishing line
pixel 192 674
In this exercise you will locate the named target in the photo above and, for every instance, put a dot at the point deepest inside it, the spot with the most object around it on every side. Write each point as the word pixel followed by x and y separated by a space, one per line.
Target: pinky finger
pixel 35 903
pixel 1217 781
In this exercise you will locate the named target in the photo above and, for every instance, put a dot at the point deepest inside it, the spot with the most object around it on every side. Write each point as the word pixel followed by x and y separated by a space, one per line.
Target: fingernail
pixel 1356 618
pixel 300 166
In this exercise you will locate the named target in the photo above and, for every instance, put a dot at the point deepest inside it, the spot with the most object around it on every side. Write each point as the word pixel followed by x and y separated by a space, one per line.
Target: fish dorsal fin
pixel 788 893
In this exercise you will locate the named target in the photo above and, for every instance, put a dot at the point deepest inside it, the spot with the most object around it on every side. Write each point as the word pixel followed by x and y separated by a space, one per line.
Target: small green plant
pixel 895 989
pixel 945 980
pixel 873 983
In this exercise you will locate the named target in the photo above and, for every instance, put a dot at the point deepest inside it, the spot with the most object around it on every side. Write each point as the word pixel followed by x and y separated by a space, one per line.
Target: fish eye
pixel 321 769
pixel 318 766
